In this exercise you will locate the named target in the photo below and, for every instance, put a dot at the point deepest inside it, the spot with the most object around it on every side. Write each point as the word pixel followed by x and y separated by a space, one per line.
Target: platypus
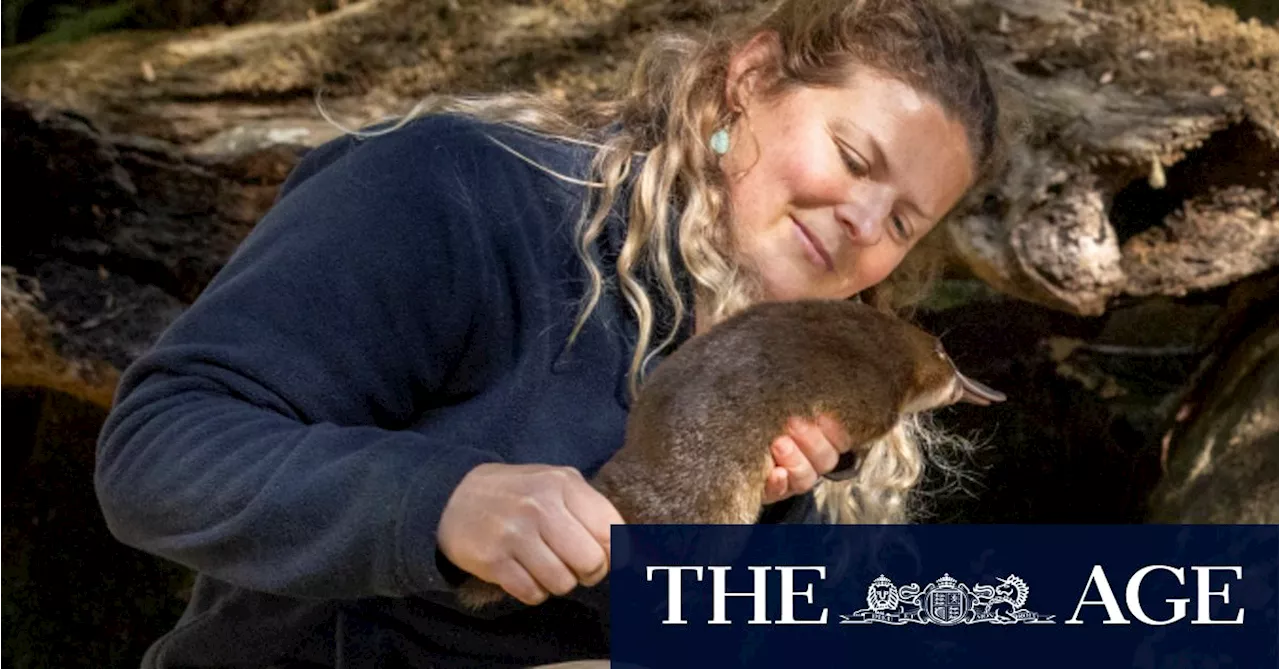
pixel 697 446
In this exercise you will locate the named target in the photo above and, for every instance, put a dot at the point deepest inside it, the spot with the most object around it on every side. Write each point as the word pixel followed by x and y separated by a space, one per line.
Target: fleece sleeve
pixel 277 435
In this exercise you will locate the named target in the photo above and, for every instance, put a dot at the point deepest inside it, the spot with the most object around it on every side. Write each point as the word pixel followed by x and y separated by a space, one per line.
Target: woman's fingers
pixel 546 567
pixel 775 487
pixel 593 510
pixel 800 473
pixel 577 540
pixel 516 580
pixel 809 449
pixel 813 438
pixel 835 433
pixel 535 530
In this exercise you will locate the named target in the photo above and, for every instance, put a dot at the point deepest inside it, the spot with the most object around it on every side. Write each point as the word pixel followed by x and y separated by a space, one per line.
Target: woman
pixel 405 372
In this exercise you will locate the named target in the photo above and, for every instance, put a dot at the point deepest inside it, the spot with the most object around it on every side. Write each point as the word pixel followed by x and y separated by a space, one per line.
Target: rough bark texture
pixel 1142 162
pixel 108 240
pixel 1221 464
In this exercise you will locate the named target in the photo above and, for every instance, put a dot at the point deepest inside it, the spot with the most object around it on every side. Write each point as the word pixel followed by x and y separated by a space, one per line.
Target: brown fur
pixel 698 437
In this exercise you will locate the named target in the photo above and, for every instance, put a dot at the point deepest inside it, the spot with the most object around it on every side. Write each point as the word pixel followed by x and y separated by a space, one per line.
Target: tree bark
pixel 109 238
pixel 1143 164
pixel 1221 466
pixel 1142 161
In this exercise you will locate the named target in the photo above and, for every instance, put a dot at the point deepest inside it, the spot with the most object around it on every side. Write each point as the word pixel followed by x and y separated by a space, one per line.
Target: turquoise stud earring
pixel 720 141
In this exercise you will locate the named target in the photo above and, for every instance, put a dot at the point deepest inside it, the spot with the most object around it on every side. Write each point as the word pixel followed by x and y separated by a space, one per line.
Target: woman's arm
pixel 260 440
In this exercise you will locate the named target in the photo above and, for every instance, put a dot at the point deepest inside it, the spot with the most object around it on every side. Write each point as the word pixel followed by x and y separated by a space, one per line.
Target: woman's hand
pixel 531 529
pixel 808 450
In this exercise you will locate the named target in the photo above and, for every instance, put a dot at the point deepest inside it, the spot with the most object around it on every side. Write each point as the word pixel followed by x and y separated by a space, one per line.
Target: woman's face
pixel 830 188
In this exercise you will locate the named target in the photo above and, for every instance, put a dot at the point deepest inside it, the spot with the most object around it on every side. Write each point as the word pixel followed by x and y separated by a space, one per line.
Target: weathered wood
pixel 1144 163
pixel 1221 460
pixel 1047 232
pixel 108 240
pixel 1150 170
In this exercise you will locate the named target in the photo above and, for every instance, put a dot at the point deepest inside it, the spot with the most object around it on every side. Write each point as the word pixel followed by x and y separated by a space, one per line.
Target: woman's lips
pixel 813 247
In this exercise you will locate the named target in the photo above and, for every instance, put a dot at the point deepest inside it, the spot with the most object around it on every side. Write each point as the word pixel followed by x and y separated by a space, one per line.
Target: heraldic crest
pixel 946 602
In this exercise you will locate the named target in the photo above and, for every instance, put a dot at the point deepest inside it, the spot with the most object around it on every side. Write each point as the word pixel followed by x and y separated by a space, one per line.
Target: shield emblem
pixel 946 606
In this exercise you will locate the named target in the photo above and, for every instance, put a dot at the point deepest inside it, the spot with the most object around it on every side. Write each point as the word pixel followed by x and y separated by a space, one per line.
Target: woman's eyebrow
pixel 845 127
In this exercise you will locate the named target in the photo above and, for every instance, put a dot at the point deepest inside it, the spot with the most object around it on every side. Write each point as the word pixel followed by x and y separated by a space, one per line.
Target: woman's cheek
pixel 816 183
pixel 874 268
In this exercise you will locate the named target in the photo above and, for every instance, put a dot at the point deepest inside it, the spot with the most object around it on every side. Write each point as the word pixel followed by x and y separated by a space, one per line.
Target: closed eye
pixel 859 168
pixel 900 226
pixel 855 164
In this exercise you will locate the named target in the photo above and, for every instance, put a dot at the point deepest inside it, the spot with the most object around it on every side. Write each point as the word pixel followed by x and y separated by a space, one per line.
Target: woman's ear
pixel 748 64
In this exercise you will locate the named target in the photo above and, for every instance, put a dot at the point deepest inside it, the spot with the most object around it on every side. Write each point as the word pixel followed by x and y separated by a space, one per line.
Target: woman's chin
pixel 792 285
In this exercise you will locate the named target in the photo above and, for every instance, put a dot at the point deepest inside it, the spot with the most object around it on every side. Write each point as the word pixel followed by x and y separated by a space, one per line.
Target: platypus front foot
pixel 475 593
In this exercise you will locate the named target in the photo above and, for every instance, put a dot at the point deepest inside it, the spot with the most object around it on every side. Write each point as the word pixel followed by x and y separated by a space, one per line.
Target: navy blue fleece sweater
pixel 397 318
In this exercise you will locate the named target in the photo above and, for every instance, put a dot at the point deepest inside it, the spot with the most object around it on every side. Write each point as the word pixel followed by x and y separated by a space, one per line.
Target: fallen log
pixel 1144 164
pixel 1147 160
pixel 108 240
pixel 1221 460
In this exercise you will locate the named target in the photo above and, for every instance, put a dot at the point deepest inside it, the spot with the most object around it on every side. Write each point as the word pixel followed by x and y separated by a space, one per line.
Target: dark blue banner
pixel 1072 596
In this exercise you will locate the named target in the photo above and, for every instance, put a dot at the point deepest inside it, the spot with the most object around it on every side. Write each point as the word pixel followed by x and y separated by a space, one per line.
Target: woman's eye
pixel 856 167
pixel 900 226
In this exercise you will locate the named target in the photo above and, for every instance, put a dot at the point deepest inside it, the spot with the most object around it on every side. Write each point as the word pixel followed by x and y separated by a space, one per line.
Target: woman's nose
pixel 863 216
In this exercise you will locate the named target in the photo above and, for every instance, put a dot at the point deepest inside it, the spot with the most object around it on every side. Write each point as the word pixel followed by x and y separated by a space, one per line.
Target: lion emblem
pixel 882 595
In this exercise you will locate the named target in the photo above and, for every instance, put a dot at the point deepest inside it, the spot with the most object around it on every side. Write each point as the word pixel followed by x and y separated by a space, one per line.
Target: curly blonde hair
pixel 674 102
